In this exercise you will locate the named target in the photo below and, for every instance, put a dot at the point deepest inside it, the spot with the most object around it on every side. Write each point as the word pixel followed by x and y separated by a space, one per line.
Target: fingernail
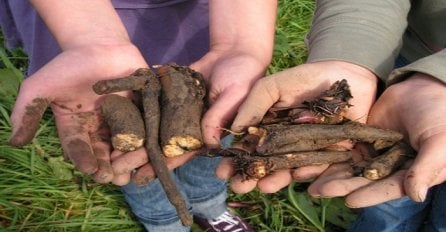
pixel 350 206
pixel 22 136
pixel 421 195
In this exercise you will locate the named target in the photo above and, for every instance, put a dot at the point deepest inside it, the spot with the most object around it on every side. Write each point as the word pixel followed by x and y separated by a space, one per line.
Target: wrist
pixel 423 79
pixel 353 69
pixel 219 57
pixel 80 23
pixel 262 54
pixel 91 41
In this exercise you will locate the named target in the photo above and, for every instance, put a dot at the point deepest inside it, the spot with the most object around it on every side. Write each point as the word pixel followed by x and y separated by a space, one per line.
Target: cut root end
pixel 178 145
pixel 127 142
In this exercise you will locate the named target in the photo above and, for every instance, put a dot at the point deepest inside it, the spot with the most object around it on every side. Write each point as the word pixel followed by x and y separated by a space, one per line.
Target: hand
pixel 412 107
pixel 290 88
pixel 229 76
pixel 65 83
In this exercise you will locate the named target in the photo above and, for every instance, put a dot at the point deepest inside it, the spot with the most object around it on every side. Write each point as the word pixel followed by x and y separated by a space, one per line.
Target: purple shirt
pixel 164 31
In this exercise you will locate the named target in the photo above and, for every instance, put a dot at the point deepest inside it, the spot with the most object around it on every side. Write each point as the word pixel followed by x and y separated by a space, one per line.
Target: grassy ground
pixel 41 192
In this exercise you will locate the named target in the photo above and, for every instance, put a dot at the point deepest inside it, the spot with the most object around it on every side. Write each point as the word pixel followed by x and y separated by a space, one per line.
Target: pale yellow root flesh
pixel 178 145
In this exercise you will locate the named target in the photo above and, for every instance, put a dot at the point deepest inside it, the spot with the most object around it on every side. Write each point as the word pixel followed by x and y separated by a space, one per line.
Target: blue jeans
pixel 405 215
pixel 204 193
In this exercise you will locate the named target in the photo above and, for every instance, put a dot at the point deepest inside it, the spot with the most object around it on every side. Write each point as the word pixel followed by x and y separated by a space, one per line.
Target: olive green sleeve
pixel 364 32
pixel 434 65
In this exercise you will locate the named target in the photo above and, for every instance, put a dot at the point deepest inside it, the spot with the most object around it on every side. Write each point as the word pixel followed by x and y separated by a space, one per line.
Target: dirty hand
pixel 413 107
pixel 65 84
pixel 290 88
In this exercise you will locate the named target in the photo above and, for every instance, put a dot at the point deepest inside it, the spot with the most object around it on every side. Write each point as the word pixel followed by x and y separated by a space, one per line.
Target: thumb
pixel 427 169
pixel 377 192
pixel 28 110
pixel 220 114
pixel 263 95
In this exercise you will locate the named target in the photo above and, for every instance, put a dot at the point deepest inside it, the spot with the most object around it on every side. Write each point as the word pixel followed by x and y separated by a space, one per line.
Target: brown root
pixel 256 167
pixel 182 96
pixel 330 107
pixel 125 123
pixel 152 112
pixel 136 81
pixel 388 162
pixel 280 138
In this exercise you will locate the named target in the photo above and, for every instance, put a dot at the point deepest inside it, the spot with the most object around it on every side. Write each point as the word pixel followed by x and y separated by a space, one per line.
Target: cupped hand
pixel 65 84
pixel 290 88
pixel 412 107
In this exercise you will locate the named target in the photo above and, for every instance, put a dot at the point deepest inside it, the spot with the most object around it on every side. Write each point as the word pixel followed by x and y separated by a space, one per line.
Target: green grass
pixel 41 192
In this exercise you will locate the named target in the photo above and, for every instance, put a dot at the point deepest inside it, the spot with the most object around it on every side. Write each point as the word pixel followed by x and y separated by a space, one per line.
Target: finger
pixel 428 168
pixel 378 192
pixel 115 154
pixel 126 162
pixel 100 141
pixel 240 185
pixel 342 187
pixel 121 179
pixel 104 174
pixel 219 115
pixel 204 65
pixel 79 151
pixel 143 175
pixel 225 169
pixel 262 96
pixel 76 143
pixel 25 119
pixel 334 172
pixel 275 181
pixel 306 173
pixel 175 162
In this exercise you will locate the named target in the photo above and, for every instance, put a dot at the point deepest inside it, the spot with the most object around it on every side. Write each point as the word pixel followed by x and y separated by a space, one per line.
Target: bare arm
pixel 79 23
pixel 244 26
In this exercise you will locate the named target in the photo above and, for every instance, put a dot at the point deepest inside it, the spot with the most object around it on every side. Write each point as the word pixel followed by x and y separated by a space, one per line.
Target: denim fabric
pixel 204 193
pixel 405 215
pixel 436 220
pixel 400 61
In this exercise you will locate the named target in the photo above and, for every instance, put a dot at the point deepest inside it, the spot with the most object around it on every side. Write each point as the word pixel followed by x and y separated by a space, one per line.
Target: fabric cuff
pixel 433 65
pixel 360 32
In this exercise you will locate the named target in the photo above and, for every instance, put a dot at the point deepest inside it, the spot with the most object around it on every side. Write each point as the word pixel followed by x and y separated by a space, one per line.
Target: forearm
pixel 244 27
pixel 367 33
pixel 80 23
